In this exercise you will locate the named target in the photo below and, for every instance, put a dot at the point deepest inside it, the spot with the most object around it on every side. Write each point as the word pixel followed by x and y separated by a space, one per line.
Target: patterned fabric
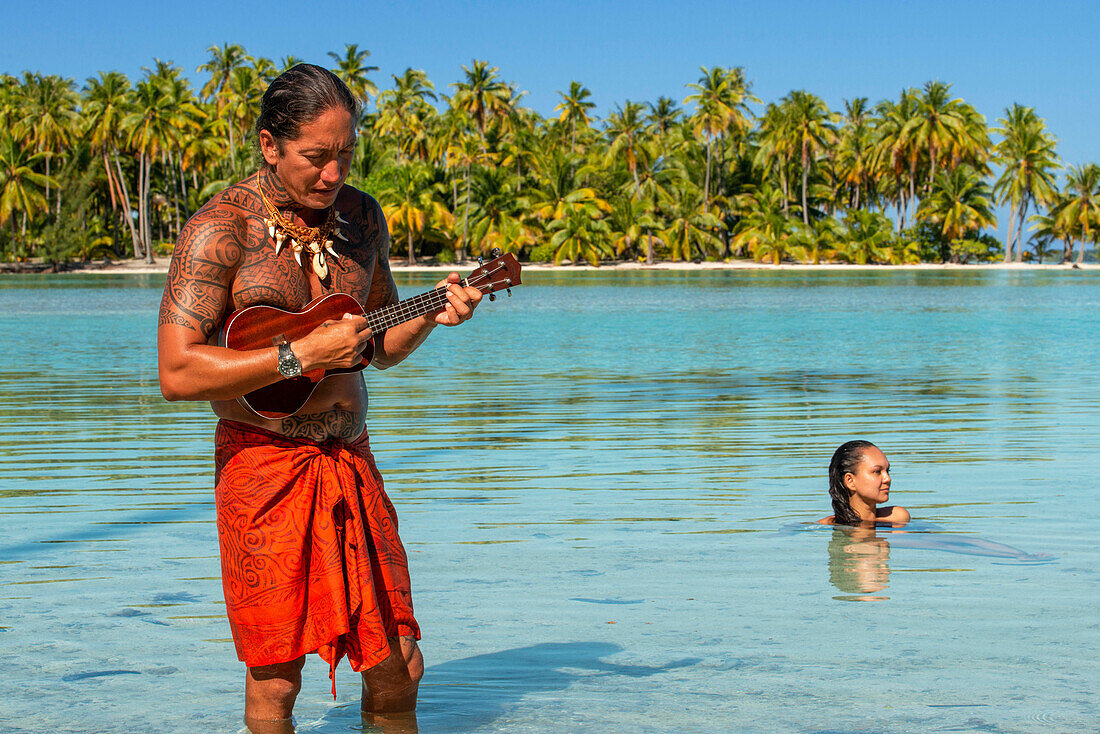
pixel 311 560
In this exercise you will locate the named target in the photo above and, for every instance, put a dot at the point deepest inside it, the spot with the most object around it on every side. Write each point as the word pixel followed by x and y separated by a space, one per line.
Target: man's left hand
pixel 461 302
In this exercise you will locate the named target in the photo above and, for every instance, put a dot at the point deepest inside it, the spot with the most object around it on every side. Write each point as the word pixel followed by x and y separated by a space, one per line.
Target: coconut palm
pixel 811 127
pixel 482 95
pixel 960 202
pixel 1027 154
pixel 412 208
pixel 223 61
pixel 721 106
pixel 107 102
pixel 936 123
pixel 583 233
pixel 21 186
pixel 353 70
pixel 1079 211
pixel 574 108
pixel 690 230
pixel 625 131
pixel 49 118
pixel 404 113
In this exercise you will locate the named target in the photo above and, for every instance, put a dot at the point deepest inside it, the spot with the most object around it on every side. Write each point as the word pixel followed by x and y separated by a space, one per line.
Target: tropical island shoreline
pixel 140 267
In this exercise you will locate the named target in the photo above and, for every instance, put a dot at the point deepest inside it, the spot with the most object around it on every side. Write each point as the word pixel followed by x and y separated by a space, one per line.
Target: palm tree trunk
pixel 127 210
pixel 1020 231
pixel 805 185
pixel 144 211
pixel 465 217
pixel 649 254
pixel 1011 234
pixel 706 180
pixel 412 254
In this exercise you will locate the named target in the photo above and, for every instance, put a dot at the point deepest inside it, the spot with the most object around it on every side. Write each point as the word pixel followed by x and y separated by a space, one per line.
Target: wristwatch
pixel 289 366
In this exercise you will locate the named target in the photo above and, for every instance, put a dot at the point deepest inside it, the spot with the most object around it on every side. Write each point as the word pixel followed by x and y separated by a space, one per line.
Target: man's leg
pixel 269 693
pixel 391 686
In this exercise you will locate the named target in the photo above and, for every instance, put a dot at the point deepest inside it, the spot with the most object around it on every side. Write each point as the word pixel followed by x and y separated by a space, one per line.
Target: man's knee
pixel 392 685
pixel 275 685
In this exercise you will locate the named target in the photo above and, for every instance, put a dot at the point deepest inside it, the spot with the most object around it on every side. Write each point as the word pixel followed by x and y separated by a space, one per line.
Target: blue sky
pixel 993 53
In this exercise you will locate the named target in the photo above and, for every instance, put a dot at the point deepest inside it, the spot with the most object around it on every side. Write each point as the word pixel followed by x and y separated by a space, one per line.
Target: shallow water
pixel 604 484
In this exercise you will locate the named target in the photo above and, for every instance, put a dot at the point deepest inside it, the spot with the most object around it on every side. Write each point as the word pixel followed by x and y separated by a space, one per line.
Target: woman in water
pixel 859 481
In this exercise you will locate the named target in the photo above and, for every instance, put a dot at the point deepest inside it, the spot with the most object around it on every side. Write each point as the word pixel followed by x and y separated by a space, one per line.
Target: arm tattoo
pixel 336 423
pixel 201 271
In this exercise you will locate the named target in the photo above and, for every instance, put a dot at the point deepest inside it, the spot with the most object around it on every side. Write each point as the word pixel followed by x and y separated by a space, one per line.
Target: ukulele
pixel 259 327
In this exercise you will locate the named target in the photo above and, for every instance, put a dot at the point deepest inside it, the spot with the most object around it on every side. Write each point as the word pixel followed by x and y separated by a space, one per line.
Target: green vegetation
pixel 115 168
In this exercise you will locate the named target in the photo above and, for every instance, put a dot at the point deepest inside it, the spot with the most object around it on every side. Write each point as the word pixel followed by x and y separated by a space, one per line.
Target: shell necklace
pixel 314 240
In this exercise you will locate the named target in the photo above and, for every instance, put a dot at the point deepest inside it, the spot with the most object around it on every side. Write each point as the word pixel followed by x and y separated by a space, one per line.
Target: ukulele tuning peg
pixel 492 296
pixel 495 252
pixel 509 292
pixel 479 260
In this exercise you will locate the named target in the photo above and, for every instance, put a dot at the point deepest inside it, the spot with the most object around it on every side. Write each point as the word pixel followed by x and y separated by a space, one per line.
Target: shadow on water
pixel 101 530
pixel 469 694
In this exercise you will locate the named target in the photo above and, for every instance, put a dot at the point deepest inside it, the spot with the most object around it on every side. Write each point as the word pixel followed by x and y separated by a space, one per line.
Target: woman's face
pixel 871 479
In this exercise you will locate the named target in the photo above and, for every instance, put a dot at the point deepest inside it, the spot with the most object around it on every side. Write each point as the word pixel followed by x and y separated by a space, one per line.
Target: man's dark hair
pixel 845 460
pixel 299 96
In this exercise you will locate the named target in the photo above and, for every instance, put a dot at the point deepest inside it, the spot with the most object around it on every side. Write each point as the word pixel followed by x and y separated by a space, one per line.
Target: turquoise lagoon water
pixel 605 484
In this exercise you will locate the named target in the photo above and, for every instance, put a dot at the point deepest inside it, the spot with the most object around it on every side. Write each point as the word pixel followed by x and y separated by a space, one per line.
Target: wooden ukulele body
pixel 260 327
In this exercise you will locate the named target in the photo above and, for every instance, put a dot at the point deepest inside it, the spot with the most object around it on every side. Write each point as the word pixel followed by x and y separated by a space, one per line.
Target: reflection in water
pixel 858 563
pixel 859 557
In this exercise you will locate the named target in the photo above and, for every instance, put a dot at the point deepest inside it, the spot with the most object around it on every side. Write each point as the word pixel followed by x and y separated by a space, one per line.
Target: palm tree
pixel 1027 154
pixel 411 207
pixel 937 122
pixel 223 61
pixel 811 126
pixel 403 111
pixel 242 105
pixel 895 154
pixel 21 187
pixel 720 98
pixel 352 68
pixel 574 107
pixel 690 228
pixel 765 231
pixel 960 202
pixel 49 117
pixel 855 152
pixel 865 237
pixel 107 102
pixel 482 95
pixel 582 233
pixel 624 131
pixel 149 133
pixel 1079 212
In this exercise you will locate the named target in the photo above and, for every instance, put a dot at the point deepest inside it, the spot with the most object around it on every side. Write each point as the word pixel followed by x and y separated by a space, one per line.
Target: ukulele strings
pixel 421 304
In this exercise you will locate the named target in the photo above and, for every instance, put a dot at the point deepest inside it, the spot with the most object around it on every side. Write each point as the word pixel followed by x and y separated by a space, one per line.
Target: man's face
pixel 314 166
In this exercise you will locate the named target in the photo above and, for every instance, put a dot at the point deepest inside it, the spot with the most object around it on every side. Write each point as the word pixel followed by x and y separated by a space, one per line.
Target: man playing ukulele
pixel 311 559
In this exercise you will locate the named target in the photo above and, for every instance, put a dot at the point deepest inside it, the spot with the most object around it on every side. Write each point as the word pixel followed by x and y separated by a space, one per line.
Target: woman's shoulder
pixel 895 514
pixel 827 520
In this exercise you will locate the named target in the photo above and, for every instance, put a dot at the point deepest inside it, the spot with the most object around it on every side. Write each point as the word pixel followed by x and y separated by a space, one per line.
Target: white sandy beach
pixel 398 265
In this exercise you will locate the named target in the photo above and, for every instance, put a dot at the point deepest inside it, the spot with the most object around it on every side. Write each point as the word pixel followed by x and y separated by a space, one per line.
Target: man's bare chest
pixel 265 278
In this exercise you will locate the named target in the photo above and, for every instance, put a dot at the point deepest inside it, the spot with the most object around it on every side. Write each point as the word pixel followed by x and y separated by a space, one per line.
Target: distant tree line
pixel 114 168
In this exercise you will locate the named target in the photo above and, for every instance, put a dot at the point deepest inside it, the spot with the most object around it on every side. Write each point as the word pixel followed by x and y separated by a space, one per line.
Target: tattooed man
pixel 311 561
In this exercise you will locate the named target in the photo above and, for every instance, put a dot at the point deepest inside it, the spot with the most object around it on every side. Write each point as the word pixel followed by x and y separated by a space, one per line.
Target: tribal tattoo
pixel 335 423
pixel 225 260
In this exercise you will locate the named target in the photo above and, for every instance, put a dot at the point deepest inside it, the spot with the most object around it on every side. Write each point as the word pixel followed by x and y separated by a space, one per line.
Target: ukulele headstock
pixel 500 273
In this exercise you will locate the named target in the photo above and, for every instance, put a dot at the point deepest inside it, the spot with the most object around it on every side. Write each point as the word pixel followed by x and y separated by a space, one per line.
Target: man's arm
pixel 194 305
pixel 398 342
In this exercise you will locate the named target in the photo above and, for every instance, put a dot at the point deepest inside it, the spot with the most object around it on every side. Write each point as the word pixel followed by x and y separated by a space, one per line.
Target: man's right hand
pixel 333 344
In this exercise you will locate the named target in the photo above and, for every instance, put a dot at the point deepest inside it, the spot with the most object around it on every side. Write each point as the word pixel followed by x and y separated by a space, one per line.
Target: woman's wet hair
pixel 299 96
pixel 845 461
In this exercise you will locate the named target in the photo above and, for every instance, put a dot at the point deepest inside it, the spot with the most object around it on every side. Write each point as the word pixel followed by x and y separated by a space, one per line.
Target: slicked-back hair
pixel 845 460
pixel 299 96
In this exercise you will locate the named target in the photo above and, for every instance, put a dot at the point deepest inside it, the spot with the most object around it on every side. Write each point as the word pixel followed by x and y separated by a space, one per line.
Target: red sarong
pixel 311 560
